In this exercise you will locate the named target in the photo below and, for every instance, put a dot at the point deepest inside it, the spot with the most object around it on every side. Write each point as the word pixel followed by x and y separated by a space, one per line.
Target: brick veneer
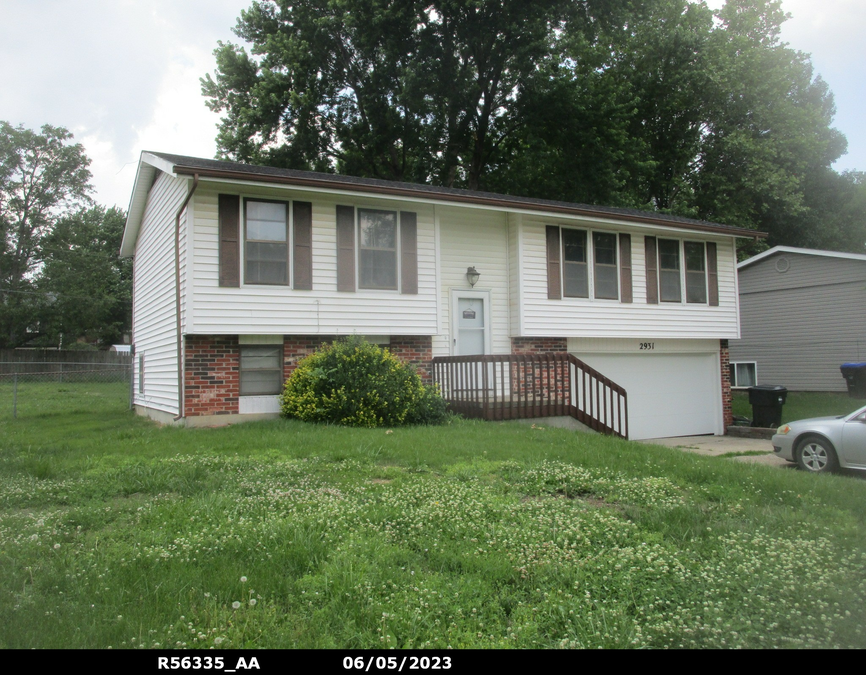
pixel 416 350
pixel 727 398
pixel 212 366
pixel 544 345
pixel 211 384
pixel 297 347
pixel 537 380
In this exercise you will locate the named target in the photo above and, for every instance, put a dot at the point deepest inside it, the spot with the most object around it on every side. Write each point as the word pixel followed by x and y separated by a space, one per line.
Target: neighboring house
pixel 265 264
pixel 803 314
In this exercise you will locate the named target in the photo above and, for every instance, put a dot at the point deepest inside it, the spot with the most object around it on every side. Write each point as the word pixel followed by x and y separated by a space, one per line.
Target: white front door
pixel 470 322
pixel 471 326
pixel 470 311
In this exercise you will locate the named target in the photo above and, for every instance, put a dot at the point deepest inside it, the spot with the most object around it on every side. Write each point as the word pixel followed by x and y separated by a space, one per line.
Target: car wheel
pixel 816 455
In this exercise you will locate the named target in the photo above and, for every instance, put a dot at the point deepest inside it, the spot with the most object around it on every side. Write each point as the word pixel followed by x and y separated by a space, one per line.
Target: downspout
pixel 180 398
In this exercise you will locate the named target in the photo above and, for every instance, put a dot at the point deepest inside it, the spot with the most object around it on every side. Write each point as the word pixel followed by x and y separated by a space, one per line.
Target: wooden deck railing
pixel 513 386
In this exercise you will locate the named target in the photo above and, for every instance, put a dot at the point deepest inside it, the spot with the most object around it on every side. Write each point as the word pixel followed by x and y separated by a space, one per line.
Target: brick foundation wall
pixel 211 384
pixel 727 397
pixel 416 350
pixel 212 366
pixel 297 347
pixel 537 381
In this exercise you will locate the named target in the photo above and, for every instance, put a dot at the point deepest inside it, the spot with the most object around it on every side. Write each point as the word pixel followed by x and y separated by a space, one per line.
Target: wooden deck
pixel 515 386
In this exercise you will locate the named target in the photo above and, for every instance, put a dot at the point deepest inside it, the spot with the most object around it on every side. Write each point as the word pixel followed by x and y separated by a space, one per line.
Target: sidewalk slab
pixel 760 450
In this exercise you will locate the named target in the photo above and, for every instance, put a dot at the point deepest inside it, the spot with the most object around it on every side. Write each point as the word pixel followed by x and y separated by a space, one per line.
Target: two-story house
pixel 240 271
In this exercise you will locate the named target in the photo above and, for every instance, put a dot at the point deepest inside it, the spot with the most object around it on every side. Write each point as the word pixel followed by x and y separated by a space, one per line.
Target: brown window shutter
pixel 554 266
pixel 712 275
pixel 302 215
pixel 408 252
pixel 345 248
pixel 229 239
pixel 625 267
pixel 652 274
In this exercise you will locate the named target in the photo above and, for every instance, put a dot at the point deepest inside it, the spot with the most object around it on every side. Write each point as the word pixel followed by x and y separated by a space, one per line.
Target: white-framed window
pixel 743 374
pixel 583 251
pixel 266 242
pixel 696 272
pixel 682 264
pixel 261 369
pixel 377 249
pixel 670 287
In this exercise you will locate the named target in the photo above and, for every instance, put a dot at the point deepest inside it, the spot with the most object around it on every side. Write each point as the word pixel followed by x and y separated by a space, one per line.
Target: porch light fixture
pixel 472 275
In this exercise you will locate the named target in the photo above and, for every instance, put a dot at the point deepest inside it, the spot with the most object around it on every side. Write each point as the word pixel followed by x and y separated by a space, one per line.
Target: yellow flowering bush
pixel 355 383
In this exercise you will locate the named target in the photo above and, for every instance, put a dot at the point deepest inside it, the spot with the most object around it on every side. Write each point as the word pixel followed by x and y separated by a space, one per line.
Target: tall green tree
pixel 410 90
pixel 769 125
pixel 655 104
pixel 85 287
pixel 42 176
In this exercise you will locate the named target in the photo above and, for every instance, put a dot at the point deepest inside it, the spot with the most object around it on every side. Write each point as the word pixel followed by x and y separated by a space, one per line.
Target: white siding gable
pixel 154 321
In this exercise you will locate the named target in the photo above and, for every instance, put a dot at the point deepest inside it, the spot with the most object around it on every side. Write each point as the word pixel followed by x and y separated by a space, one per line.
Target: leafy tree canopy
pixel 657 104
pixel 86 288
pixel 42 176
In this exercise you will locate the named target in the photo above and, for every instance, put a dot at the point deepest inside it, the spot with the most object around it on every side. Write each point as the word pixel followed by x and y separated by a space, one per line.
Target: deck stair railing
pixel 514 386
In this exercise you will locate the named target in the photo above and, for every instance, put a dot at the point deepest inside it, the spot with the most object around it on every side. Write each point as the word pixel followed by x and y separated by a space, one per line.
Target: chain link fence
pixel 33 389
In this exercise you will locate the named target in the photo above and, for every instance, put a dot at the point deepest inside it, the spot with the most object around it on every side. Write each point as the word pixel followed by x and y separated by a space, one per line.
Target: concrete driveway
pixel 759 451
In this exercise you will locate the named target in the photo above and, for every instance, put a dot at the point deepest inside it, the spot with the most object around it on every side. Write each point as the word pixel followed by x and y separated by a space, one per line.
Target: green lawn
pixel 803 405
pixel 116 532
pixel 34 399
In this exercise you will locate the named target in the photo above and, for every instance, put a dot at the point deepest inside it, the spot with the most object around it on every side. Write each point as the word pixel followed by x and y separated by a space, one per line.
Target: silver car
pixel 824 444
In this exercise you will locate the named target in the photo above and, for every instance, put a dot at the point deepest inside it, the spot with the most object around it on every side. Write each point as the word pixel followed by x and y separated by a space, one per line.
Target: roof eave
pixel 148 165
pixel 800 251
pixel 503 202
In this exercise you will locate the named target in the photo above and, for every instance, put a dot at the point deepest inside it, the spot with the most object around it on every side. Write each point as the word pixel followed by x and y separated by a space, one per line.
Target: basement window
pixel 744 374
pixel 261 371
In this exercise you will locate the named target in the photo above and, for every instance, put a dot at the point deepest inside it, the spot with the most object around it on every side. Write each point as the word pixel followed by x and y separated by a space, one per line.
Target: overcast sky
pixel 123 75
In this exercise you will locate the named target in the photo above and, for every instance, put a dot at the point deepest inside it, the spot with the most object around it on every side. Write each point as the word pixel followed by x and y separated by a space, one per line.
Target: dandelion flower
pixel 253 602
pixel 243 580
pixel 236 605
pixel 217 641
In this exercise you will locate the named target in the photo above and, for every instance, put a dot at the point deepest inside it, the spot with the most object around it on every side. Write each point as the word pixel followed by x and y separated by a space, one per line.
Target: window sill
pixel 248 405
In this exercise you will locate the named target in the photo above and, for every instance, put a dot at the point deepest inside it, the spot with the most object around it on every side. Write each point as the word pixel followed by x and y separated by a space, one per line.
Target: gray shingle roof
pixel 185 164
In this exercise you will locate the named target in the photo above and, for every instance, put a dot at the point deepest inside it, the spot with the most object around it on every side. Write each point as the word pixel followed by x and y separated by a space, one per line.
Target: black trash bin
pixel 767 401
pixel 855 376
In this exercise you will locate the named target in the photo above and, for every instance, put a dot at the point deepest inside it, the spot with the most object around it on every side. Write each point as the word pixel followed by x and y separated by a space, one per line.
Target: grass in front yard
pixel 116 532
pixel 801 405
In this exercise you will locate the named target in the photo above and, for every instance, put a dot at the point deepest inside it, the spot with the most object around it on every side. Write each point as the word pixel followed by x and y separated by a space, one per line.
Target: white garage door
pixel 668 394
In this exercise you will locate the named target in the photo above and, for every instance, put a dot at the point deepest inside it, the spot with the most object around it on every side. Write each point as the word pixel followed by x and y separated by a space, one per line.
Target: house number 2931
pixel 647 345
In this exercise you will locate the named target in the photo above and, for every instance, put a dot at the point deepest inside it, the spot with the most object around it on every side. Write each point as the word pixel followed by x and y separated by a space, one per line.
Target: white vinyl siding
pixel 154 327
pixel 588 317
pixel 275 310
pixel 474 237
pixel 515 290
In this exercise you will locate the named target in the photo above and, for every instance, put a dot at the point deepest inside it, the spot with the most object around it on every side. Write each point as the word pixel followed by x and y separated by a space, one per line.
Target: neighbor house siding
pixel 479 238
pixel 260 309
pixel 800 324
pixel 154 324
pixel 580 317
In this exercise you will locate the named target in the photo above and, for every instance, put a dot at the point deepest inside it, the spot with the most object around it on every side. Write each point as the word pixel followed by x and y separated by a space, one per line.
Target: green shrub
pixel 355 383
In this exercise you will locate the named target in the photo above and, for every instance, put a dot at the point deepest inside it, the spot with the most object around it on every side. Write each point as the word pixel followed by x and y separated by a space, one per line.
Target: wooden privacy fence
pixel 514 386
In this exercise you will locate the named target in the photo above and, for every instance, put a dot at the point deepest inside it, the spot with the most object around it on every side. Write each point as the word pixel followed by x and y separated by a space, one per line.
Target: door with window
pixel 471 310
